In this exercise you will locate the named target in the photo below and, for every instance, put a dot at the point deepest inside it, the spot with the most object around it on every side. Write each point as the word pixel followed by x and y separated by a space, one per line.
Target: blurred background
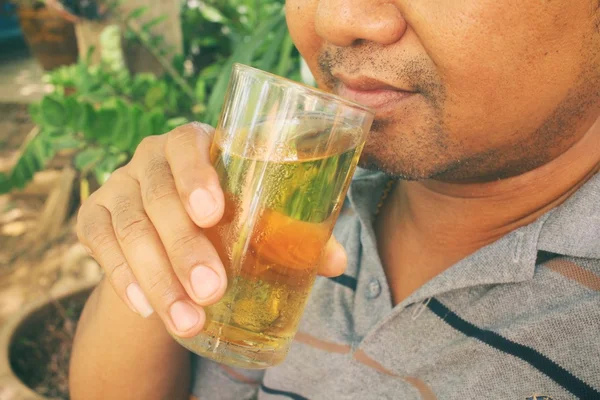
pixel 82 82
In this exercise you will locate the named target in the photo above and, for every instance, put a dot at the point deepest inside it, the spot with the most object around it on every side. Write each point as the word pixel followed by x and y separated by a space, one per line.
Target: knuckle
pixel 130 224
pixel 132 228
pixel 180 133
pixel 146 149
pixel 121 205
pixel 184 242
pixel 162 285
pixel 119 174
pixel 148 144
pixel 199 127
pixel 188 134
pixel 157 166
pixel 117 271
pixel 100 240
pixel 155 193
pixel 184 247
pixel 88 227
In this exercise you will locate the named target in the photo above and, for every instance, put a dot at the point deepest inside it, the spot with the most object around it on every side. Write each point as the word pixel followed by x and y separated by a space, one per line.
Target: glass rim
pixel 304 88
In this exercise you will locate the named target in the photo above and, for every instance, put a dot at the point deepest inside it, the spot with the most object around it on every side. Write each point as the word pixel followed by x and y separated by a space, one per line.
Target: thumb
pixel 335 259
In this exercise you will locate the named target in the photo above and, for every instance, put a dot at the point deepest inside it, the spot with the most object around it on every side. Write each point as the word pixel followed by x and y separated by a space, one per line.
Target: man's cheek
pixel 300 15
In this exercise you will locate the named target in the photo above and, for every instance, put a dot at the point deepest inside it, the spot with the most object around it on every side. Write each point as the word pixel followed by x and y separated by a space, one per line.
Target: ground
pixel 33 265
pixel 20 75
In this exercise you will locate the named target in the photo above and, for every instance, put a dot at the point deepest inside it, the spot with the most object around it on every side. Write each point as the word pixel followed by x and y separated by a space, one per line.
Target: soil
pixel 40 355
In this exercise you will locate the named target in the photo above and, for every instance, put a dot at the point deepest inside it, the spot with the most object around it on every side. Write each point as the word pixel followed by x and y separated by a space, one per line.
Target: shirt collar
pixel 572 229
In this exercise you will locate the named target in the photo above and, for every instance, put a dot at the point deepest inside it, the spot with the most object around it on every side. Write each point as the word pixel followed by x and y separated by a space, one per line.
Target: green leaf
pixel 159 123
pixel 141 84
pixel 86 114
pixel 102 127
pixel 176 122
pixel 65 142
pixel 135 127
pixel 42 150
pixel 153 22
pixel 156 41
pixel 22 173
pixel 285 62
pixel 173 101
pixel 33 158
pixel 150 123
pixel 35 112
pixel 74 109
pixel 112 55
pixel 267 62
pixel 211 14
pixel 122 135
pixel 53 111
pixel 156 95
pixel 211 72
pixel 137 13
pixel 130 36
pixel 89 55
pixel 108 165
pixel 5 183
pixel 243 54
pixel 56 133
pixel 200 91
pixel 88 158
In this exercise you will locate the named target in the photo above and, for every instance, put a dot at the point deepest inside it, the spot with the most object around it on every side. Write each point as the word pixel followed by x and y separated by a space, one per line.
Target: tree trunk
pixel 139 59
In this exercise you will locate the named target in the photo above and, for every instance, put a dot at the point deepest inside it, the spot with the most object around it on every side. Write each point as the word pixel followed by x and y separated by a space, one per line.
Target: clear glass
pixel 285 154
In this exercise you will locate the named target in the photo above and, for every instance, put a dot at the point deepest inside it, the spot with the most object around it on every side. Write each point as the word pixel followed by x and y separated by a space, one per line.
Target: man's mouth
pixel 370 92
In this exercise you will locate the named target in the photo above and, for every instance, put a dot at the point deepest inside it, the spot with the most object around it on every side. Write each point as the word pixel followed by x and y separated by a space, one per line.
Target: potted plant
pixel 35 346
pixel 102 112
pixel 49 35
pixel 99 112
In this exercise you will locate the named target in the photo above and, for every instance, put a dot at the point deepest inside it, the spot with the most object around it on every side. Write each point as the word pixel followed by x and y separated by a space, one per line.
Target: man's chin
pixel 411 170
pixel 371 163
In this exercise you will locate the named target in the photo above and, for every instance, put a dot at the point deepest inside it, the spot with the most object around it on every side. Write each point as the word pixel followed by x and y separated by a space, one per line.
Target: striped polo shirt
pixel 518 319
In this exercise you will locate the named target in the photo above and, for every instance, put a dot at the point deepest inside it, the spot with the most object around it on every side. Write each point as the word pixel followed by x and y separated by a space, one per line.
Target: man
pixel 478 276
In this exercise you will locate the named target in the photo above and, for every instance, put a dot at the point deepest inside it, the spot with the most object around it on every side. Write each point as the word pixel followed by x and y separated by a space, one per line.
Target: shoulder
pixel 535 336
pixel 556 312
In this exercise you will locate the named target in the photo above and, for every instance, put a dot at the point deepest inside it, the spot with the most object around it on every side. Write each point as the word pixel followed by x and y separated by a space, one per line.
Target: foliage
pixel 103 112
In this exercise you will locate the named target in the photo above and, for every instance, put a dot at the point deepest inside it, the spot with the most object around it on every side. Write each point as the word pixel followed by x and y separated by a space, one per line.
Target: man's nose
pixel 344 22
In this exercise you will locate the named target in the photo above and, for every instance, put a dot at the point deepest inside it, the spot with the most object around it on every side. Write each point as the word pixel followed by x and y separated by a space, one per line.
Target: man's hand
pixel 144 227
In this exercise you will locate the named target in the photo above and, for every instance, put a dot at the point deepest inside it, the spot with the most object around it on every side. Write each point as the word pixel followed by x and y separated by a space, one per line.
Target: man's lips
pixel 370 92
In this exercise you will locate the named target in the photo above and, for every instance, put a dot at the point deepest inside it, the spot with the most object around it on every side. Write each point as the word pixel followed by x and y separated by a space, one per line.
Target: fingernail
pixel 138 300
pixel 205 282
pixel 202 203
pixel 184 316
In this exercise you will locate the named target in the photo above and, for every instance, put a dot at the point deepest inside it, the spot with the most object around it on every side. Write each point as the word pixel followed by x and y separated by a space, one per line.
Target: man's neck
pixel 426 227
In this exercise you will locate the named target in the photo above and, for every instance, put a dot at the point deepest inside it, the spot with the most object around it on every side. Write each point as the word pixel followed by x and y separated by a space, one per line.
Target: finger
pixel 187 150
pixel 95 232
pixel 148 260
pixel 193 257
pixel 335 259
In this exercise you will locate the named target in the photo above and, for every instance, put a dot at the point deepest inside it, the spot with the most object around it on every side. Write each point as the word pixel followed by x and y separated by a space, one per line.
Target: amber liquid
pixel 279 216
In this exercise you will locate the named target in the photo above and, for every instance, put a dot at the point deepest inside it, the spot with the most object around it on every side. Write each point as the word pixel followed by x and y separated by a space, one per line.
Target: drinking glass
pixel 285 154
